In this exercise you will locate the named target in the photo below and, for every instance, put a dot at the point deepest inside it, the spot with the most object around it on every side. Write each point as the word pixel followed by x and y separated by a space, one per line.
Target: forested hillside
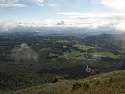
pixel 28 60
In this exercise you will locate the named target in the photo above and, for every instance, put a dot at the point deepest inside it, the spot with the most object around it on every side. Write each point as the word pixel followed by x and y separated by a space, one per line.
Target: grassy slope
pixel 107 83
pixel 61 87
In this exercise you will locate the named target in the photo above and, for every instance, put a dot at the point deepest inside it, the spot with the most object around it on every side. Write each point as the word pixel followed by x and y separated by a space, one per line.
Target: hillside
pixel 27 60
pixel 106 83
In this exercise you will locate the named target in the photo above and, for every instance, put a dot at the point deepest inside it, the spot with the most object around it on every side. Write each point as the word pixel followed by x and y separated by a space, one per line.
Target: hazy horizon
pixel 103 15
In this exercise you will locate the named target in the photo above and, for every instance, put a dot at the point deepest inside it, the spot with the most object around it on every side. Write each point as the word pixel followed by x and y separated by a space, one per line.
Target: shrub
pixel 85 85
pixel 57 78
pixel 77 85
pixel 97 83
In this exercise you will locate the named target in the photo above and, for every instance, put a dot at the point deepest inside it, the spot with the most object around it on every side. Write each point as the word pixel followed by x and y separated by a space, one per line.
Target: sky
pixel 84 13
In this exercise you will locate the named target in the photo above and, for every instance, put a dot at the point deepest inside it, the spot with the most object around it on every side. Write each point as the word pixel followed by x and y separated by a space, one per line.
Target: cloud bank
pixel 97 20
pixel 7 25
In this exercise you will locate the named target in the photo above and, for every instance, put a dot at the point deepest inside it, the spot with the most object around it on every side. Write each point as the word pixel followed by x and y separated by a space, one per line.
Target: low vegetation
pixel 107 83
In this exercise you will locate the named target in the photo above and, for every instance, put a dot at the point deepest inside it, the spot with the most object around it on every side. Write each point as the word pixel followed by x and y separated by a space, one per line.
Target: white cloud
pixel 121 26
pixel 114 4
pixel 17 3
pixel 42 2
pixel 53 5
pixel 97 20
pixel 24 53
pixel 11 3
pixel 50 21
pixel 8 25
pixel 38 2
pixel 71 13
pixel 100 16
pixel 8 1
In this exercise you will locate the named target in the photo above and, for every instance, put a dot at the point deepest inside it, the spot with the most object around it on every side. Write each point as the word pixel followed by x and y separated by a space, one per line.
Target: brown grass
pixel 107 83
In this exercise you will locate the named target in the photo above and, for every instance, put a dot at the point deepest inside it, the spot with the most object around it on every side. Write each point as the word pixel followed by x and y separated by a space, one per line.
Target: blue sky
pixel 88 13
pixel 46 9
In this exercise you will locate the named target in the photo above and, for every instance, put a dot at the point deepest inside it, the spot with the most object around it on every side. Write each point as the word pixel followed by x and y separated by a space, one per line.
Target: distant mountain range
pixel 59 30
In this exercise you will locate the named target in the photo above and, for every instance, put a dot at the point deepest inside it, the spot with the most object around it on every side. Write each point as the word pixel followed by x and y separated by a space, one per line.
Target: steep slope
pixel 107 83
